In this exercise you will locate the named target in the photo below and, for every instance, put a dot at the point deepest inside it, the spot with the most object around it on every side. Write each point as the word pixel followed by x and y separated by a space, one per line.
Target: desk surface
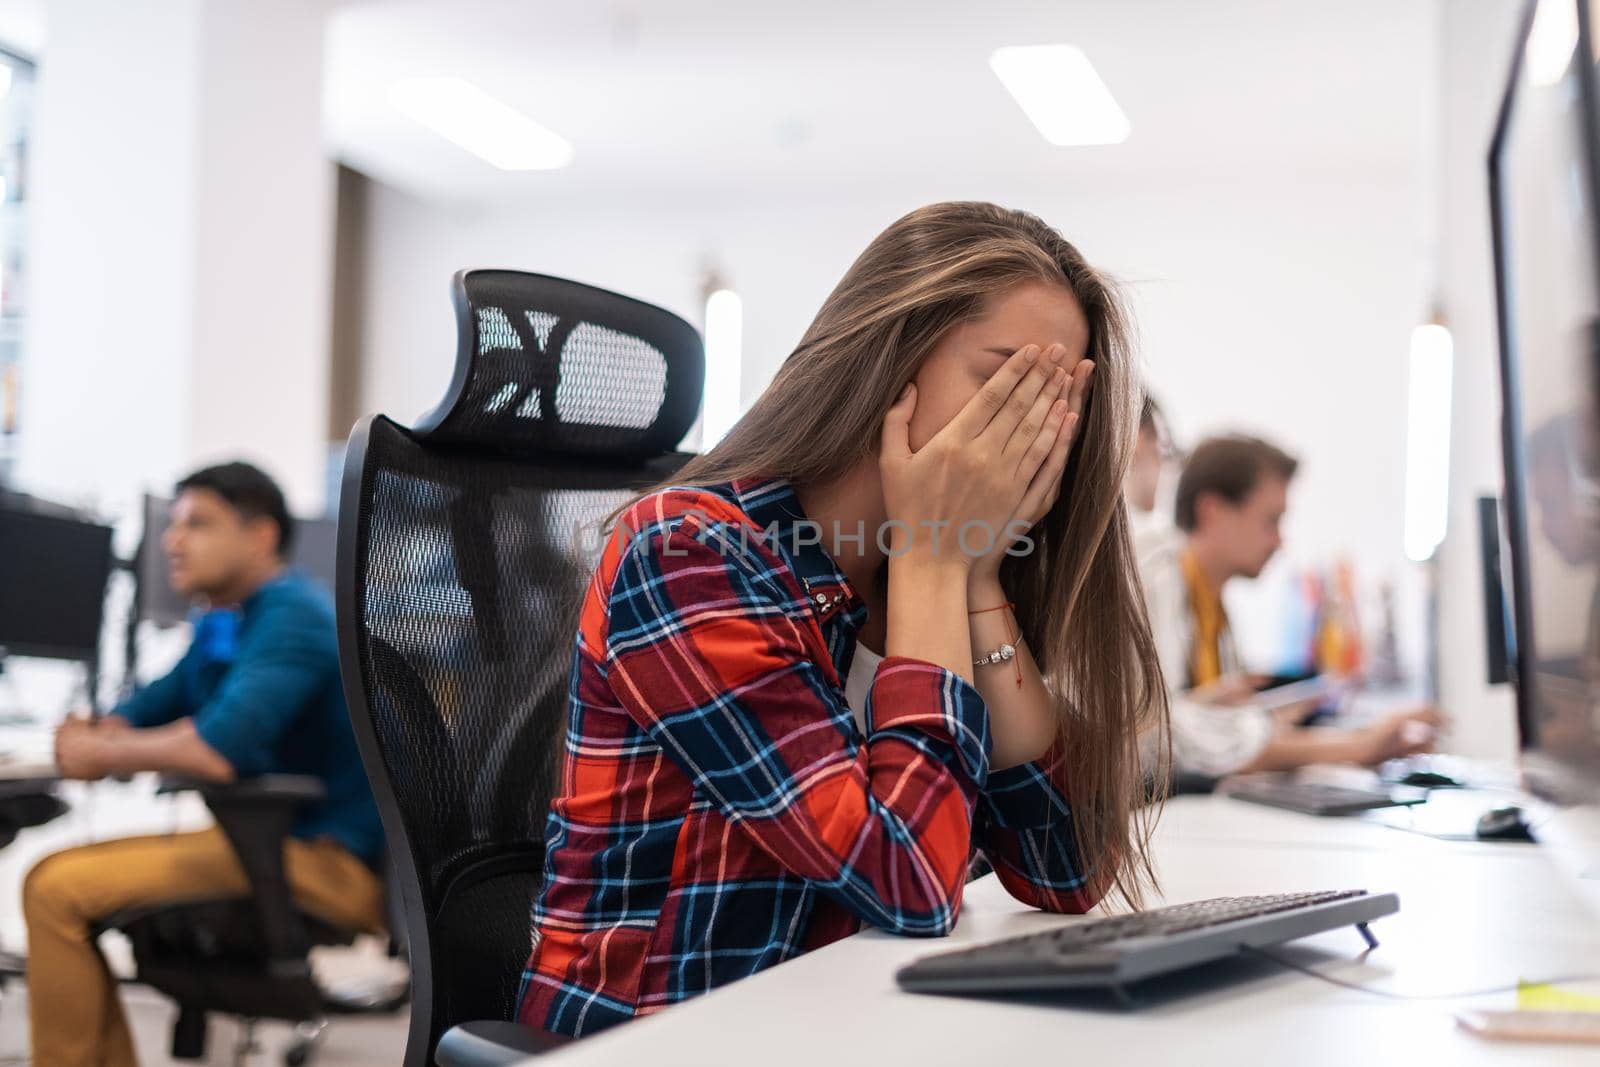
pixel 1473 916
pixel 39 770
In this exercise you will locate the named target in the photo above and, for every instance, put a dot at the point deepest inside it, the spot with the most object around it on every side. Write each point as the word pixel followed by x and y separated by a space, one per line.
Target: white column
pixel 264 244
pixel 181 227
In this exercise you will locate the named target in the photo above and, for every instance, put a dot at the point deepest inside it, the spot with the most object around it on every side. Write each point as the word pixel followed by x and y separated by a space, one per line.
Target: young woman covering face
pixel 793 711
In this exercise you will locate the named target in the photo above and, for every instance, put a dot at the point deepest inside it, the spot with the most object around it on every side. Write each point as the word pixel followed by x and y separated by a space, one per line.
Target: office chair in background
pixel 465 543
pixel 244 956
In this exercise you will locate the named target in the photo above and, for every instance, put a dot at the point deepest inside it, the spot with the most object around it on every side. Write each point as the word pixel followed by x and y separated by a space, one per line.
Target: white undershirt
pixel 862 669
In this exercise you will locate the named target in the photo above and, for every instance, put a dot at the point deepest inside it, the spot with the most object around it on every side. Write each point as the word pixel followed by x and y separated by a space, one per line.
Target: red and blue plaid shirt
pixel 720 810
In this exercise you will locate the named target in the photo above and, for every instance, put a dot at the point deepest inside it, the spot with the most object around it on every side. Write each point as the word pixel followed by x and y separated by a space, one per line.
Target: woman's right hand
pixel 973 473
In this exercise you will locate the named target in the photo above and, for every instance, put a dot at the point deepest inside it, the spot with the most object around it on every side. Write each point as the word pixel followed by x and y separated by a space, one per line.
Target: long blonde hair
pixel 1077 594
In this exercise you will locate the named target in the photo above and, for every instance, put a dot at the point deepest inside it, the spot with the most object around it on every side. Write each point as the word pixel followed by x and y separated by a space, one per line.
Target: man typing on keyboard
pixel 1231 499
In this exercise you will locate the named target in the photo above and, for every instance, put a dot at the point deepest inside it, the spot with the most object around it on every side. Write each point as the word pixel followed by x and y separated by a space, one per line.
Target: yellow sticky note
pixel 1541 996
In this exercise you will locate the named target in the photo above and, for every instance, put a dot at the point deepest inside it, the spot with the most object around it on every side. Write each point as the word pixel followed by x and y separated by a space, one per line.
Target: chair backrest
pixel 465 544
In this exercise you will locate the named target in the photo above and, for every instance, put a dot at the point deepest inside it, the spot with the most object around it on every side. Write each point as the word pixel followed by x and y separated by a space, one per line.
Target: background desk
pixel 1472 915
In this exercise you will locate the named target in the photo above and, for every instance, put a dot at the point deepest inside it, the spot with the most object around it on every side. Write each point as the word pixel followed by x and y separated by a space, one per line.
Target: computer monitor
pixel 312 552
pixel 1497 650
pixel 1544 182
pixel 53 573
pixel 154 599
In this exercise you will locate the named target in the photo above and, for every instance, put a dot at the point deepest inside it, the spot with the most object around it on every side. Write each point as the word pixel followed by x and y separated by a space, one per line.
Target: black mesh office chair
pixel 465 543
pixel 245 956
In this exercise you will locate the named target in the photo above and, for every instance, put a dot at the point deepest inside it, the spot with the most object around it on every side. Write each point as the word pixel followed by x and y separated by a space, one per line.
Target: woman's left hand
pixel 1045 487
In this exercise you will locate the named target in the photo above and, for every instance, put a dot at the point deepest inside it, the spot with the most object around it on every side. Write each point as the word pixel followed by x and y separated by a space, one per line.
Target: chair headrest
pixel 545 365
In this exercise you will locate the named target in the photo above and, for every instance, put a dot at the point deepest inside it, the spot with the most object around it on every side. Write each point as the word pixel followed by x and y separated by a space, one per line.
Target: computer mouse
pixel 1504 824
pixel 1430 780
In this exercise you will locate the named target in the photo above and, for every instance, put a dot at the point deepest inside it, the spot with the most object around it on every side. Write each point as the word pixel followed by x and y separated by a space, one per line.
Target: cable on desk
pixel 1391 995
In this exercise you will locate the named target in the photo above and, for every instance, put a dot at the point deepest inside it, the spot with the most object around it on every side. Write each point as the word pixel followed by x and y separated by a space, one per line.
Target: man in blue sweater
pixel 257 693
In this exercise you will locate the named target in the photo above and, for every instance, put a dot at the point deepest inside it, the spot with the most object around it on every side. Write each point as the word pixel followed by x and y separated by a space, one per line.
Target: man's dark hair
pixel 1231 467
pixel 250 492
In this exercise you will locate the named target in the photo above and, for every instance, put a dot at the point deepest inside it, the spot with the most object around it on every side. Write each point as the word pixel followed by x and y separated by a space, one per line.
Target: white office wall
pixel 179 278
pixel 106 385
pixel 1281 305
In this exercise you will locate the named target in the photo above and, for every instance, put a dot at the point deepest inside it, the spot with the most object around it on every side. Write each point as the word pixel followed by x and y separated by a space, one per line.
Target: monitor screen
pixel 1497 643
pixel 53 574
pixel 1547 245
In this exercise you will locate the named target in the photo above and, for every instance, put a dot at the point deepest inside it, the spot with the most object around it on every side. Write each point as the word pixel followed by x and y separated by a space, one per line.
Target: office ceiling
pixel 719 97
pixel 22 26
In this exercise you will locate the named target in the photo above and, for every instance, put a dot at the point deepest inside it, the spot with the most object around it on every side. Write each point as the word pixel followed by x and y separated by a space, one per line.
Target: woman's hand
pixel 1044 488
pixel 953 498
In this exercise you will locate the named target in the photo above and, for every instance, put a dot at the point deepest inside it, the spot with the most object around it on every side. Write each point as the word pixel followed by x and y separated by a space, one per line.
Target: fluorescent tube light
pixel 495 132
pixel 724 355
pixel 1061 93
pixel 1428 440
pixel 1551 41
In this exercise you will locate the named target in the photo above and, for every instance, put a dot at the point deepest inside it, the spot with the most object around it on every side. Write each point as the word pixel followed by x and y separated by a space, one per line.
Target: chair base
pixel 189 1035
pixel 307 1037
pixel 189 1032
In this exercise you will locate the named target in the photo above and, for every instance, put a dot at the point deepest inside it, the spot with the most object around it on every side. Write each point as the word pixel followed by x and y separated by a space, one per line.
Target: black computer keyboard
pixel 1125 948
pixel 1319 798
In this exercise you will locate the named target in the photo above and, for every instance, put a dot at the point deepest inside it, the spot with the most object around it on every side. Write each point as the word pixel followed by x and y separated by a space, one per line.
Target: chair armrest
pixel 19 810
pixel 494 1044
pixel 290 789
pixel 256 814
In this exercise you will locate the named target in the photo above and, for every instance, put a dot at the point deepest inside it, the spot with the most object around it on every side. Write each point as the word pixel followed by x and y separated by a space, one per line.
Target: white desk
pixel 1472 916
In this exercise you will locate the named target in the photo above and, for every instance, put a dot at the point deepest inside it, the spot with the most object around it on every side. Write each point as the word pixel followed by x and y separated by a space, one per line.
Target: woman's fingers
pixel 1045 487
pixel 1051 471
pixel 1058 458
pixel 1047 461
pixel 1032 425
pixel 1017 417
pixel 897 424
pixel 1082 378
pixel 990 400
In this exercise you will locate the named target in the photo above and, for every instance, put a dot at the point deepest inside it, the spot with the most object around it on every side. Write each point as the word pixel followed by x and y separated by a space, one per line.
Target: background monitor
pixel 1497 650
pixel 1544 172
pixel 53 573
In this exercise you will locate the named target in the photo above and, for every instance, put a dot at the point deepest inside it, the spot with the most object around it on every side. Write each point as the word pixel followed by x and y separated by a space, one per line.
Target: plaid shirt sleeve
pixel 1024 827
pixel 724 668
